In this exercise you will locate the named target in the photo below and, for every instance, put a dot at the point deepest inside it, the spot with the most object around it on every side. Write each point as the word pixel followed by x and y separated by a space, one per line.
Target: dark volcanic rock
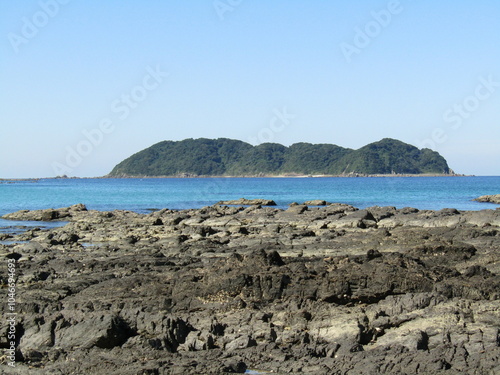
pixel 101 331
pixel 489 198
pixel 323 290
pixel 47 214
pixel 316 202
pixel 440 253
pixel 249 202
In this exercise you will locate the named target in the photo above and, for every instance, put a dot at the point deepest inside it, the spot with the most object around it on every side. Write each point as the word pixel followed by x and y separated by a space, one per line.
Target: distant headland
pixel 232 158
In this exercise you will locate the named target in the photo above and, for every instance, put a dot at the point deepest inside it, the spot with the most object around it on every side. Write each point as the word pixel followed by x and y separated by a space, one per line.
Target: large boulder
pixel 102 331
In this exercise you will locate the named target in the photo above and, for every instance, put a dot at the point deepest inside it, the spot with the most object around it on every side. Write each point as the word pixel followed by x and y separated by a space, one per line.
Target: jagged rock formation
pixel 326 290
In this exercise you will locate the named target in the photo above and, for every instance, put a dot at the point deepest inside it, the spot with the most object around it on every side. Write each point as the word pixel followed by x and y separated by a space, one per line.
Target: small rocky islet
pixel 495 198
pixel 318 288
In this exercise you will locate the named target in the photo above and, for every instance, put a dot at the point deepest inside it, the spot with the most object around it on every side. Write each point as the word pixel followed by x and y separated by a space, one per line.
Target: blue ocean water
pixel 142 195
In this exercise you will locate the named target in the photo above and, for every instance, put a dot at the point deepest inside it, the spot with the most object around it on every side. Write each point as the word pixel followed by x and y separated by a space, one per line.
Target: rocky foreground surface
pixel 316 290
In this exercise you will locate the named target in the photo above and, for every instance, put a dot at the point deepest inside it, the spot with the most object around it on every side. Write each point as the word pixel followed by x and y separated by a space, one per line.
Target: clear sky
pixel 86 83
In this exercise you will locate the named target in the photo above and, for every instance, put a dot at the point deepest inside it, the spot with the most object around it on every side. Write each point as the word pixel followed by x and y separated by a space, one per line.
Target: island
pixel 233 158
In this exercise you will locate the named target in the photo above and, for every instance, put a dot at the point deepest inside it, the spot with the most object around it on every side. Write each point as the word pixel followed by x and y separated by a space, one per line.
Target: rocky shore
pixel 317 289
pixel 489 199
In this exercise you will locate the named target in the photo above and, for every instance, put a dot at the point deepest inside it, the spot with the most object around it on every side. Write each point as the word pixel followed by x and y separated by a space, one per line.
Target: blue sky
pixel 85 84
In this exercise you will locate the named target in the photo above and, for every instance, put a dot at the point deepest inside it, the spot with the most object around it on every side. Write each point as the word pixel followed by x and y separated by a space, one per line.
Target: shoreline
pixel 356 175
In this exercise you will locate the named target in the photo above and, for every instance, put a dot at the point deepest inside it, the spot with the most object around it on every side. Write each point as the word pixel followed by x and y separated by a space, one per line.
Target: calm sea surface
pixel 143 195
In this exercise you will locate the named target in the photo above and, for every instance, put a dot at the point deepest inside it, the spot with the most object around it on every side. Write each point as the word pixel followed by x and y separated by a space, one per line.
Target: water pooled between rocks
pixel 307 289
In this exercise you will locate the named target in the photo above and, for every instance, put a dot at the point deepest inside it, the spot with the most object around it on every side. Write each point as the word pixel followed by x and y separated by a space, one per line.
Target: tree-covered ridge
pixel 228 157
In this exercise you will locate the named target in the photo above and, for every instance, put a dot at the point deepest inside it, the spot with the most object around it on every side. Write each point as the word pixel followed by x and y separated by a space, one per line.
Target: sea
pixel 144 195
pixel 148 194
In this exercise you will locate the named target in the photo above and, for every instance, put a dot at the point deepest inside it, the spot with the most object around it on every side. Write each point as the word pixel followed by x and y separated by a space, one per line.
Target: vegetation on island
pixel 228 157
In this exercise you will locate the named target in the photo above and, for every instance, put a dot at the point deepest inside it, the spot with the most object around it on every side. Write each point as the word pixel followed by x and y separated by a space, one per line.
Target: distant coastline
pixel 34 179
pixel 262 175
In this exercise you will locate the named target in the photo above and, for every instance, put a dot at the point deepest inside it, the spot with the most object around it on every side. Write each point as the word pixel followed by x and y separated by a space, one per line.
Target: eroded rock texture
pixel 317 290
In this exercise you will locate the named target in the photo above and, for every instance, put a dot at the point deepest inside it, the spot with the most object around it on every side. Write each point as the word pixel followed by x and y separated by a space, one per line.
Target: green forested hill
pixel 227 157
